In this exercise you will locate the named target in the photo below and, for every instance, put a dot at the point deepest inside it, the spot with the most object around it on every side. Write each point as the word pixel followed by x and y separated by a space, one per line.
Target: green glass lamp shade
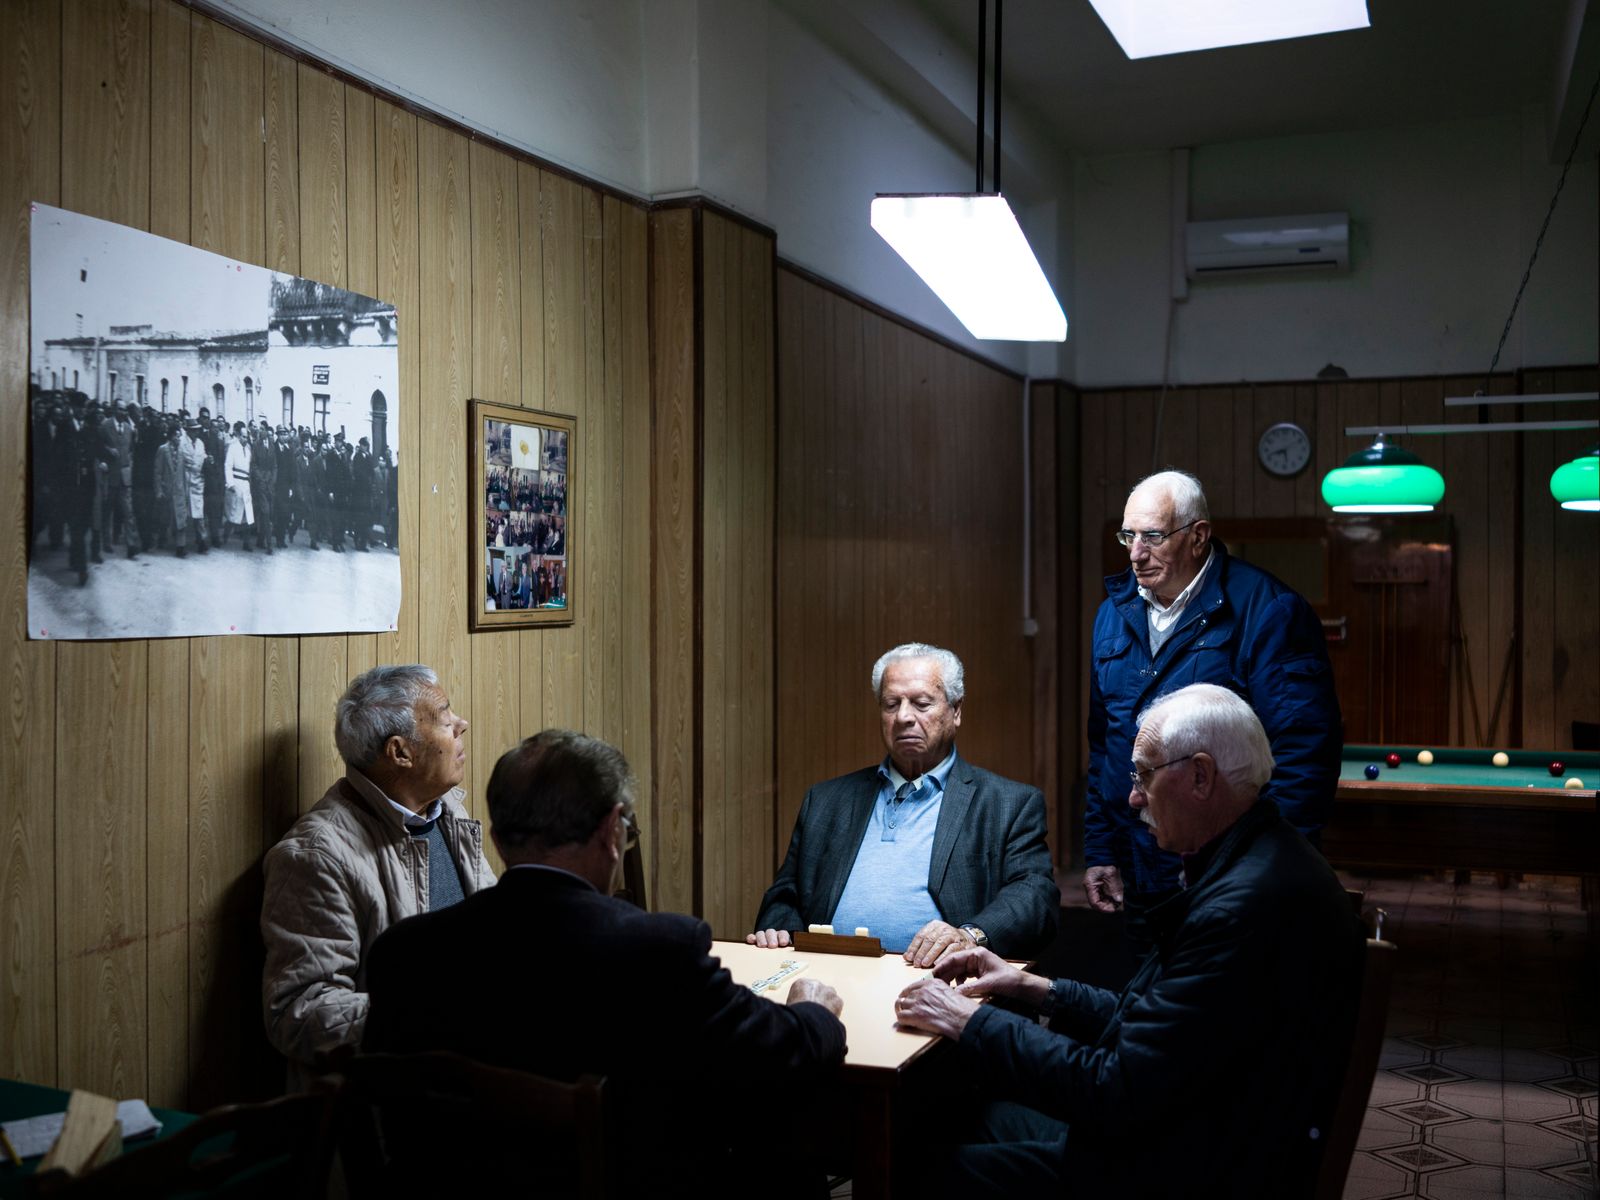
pixel 1383 479
pixel 1576 484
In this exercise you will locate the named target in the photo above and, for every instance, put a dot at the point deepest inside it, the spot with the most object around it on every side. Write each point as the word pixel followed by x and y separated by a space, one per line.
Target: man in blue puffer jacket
pixel 1187 612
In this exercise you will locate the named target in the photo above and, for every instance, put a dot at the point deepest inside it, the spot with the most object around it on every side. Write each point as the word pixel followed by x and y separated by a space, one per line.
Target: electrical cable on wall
pixel 1539 241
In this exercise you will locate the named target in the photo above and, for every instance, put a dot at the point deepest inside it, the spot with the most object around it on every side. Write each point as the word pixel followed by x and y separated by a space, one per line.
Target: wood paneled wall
pixel 900 518
pixel 1523 564
pixel 715 454
pixel 140 782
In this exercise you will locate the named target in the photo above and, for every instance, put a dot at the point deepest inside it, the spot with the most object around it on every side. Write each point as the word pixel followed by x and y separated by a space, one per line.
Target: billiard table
pixel 1464 812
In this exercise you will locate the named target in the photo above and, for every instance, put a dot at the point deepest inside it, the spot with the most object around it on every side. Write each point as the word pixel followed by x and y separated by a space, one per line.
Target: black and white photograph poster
pixel 213 446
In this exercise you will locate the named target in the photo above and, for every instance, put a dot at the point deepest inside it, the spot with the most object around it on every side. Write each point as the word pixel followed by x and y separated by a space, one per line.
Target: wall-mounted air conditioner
pixel 1260 245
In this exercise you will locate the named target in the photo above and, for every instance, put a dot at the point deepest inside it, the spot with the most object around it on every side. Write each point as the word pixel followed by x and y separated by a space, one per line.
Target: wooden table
pixel 881 1058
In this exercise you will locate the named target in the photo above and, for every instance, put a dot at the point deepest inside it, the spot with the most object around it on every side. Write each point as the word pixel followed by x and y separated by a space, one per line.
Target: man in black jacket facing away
pixel 1216 1070
pixel 547 972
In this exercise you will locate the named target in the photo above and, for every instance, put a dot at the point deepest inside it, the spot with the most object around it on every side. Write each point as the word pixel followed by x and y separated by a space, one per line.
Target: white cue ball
pixel 1501 759
pixel 1425 757
pixel 1573 782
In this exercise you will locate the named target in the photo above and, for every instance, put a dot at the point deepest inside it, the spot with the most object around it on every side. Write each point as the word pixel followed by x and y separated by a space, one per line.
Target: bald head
pixel 1168 508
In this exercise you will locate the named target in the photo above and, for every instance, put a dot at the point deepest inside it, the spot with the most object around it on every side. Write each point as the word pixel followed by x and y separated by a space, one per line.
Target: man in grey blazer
pixel 925 850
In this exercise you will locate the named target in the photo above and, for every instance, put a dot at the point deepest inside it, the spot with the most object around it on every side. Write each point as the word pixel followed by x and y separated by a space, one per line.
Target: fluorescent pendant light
pixel 1383 479
pixel 1576 485
pixel 970 250
pixel 1147 28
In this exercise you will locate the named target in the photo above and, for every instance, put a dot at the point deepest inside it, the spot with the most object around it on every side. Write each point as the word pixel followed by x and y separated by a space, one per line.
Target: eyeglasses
pixel 1151 537
pixel 1140 776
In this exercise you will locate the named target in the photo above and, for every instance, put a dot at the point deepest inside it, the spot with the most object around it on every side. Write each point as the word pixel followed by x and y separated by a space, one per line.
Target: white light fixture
pixel 968 247
pixel 1147 28
pixel 971 251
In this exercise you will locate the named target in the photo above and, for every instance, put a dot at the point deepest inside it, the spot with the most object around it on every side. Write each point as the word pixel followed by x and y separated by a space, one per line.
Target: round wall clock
pixel 1284 449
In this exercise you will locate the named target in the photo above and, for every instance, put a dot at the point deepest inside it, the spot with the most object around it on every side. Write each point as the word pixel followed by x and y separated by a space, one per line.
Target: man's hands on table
pixel 934 940
pixel 814 991
pixel 945 1003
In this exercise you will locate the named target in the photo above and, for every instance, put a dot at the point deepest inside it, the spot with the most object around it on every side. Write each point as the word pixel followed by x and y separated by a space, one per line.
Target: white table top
pixel 868 987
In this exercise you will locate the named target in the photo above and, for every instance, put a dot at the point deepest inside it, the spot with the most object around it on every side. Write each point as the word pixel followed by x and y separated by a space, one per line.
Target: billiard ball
pixel 1573 784
pixel 1558 769
pixel 1393 760
pixel 1372 770
pixel 1425 757
pixel 1501 759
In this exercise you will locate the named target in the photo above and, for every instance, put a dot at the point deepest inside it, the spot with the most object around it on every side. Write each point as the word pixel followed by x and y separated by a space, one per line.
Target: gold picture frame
pixel 524 541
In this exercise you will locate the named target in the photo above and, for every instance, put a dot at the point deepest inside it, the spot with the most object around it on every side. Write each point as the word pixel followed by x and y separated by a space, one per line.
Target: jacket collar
pixel 1123 591
pixel 1169 914
pixel 958 789
pixel 377 804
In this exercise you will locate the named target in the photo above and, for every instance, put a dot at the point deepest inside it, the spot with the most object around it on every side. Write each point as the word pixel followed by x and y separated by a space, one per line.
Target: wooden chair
pixel 410 1122
pixel 632 889
pixel 281 1147
pixel 1377 976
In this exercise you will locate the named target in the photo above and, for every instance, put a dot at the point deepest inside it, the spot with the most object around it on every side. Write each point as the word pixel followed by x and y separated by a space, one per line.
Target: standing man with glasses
pixel 1184 612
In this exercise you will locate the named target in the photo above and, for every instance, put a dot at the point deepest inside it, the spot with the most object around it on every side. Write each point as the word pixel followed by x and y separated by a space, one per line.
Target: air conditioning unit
pixel 1263 245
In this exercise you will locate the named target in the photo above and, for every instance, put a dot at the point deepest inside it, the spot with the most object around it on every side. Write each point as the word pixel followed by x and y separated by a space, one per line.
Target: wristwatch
pixel 978 936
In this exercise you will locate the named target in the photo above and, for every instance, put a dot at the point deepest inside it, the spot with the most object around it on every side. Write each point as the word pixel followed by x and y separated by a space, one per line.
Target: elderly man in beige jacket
pixel 387 841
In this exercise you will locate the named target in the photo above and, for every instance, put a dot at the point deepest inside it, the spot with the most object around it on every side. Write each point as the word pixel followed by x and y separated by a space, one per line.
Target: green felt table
pixel 1465 813
pixel 1464 770
pixel 19 1099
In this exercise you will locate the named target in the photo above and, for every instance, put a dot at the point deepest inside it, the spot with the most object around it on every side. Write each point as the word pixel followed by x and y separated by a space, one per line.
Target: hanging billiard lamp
pixel 1386 479
pixel 1576 485
pixel 1383 478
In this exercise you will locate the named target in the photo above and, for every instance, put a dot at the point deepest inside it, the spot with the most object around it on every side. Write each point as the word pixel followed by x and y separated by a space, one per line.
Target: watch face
pixel 1284 449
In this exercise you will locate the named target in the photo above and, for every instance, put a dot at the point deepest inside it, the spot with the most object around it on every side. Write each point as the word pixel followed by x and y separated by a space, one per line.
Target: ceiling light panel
pixel 1148 28
pixel 970 250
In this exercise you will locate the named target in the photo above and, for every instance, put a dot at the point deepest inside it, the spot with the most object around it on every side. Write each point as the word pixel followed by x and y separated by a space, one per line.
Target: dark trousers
pixel 1015 1151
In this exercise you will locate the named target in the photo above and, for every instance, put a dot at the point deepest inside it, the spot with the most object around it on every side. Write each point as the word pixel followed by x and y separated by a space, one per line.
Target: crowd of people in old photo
pixel 125 475
pixel 525 523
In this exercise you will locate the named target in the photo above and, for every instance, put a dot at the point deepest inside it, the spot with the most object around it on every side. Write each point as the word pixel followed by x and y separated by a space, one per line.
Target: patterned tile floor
pixel 1486 1087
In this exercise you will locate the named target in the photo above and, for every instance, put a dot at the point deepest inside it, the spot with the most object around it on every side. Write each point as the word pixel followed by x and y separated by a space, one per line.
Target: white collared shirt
pixel 375 793
pixel 1162 621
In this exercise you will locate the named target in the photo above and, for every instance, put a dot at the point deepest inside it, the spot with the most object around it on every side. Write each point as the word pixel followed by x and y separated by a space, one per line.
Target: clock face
pixel 1284 449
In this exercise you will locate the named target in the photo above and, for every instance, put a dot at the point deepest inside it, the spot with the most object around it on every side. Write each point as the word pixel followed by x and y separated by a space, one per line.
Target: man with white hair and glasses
pixel 1217 1069
pixel 388 840
pixel 1186 611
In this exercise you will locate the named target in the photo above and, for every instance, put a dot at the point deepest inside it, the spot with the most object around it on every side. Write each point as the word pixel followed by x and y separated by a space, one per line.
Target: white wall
pixel 562 79
pixel 795 112
pixel 837 135
pixel 1443 218
pixel 731 99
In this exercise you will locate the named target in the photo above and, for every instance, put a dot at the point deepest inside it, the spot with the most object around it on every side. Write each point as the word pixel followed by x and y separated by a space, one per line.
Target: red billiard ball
pixel 1558 768
pixel 1370 770
pixel 1393 760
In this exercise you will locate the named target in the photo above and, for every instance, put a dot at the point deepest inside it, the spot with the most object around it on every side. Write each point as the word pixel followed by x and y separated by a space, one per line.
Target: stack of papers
pixel 32 1136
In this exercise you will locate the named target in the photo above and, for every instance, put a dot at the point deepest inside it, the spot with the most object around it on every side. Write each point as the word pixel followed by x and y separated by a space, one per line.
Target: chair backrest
pixel 1366 1045
pixel 406 1116
pixel 281 1147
